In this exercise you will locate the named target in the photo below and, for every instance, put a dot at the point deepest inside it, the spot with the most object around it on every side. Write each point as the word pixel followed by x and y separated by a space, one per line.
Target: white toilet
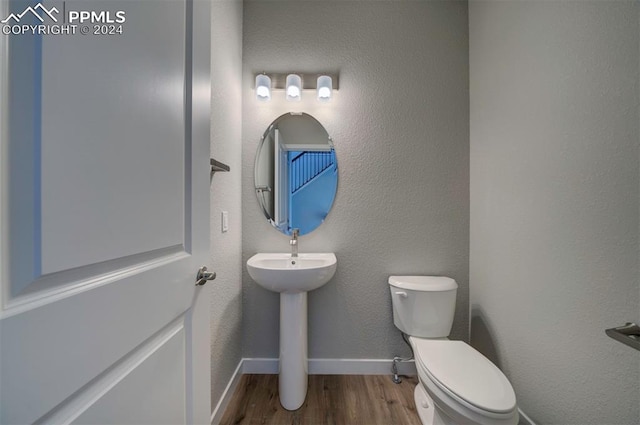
pixel 458 385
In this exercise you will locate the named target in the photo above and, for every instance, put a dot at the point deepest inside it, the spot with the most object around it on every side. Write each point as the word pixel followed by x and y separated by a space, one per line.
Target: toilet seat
pixel 466 376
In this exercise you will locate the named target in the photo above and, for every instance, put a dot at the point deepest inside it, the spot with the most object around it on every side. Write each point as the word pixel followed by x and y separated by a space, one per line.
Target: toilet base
pixel 426 408
pixel 431 415
pixel 424 405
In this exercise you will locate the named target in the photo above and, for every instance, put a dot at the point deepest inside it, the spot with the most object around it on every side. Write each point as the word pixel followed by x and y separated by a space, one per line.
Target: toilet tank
pixel 423 306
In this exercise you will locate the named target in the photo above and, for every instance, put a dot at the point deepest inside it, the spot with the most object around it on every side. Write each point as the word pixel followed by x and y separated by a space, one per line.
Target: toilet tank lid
pixel 423 283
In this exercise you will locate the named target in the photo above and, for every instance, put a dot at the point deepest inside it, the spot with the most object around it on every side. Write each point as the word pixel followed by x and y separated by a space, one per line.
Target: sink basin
pixel 282 273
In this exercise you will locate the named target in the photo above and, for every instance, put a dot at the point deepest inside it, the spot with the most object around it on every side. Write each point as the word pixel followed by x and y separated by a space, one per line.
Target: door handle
pixel 203 276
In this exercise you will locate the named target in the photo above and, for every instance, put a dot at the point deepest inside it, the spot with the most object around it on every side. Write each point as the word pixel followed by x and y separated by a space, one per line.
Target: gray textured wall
pixel 401 129
pixel 226 146
pixel 554 203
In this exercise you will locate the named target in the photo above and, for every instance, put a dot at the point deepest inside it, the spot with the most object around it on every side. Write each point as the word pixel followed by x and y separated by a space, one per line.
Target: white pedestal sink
pixel 292 278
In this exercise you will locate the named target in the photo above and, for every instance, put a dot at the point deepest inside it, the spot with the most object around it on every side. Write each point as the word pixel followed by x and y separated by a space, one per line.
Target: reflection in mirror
pixel 296 173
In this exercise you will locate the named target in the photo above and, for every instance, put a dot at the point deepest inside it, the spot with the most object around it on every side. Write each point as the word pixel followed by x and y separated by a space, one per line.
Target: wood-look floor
pixel 331 400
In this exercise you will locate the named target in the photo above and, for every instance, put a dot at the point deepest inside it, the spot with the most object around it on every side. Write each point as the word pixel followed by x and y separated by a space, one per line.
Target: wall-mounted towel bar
pixel 628 334
pixel 217 166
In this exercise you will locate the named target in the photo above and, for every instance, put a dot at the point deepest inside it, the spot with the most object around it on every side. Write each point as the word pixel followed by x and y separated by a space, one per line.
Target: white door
pixel 104 213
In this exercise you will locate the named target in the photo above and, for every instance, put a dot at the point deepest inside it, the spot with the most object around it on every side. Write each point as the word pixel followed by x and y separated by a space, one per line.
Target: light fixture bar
pixel 309 81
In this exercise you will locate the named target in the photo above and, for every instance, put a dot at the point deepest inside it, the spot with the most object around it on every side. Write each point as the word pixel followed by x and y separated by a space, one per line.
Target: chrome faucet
pixel 294 243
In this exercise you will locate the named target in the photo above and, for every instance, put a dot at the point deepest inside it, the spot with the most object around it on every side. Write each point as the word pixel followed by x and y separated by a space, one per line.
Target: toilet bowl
pixel 457 384
pixel 463 385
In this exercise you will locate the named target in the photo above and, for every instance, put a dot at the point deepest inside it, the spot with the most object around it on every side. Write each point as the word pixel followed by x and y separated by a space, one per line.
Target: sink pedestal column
pixel 293 350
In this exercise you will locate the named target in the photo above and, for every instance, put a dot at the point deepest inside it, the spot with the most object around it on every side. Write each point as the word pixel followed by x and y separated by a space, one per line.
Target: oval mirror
pixel 296 173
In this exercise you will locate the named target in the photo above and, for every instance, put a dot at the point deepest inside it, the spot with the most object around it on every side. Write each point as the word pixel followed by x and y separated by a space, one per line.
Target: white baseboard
pixel 524 419
pixel 216 415
pixel 332 366
pixel 269 366
pixel 260 366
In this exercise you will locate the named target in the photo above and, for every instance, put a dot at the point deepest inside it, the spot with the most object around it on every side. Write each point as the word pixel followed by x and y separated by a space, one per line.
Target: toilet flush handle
pixel 401 294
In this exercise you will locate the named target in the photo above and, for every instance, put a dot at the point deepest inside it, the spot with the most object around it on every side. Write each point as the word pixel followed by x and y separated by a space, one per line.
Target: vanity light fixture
pixel 263 87
pixel 324 88
pixel 294 83
pixel 294 87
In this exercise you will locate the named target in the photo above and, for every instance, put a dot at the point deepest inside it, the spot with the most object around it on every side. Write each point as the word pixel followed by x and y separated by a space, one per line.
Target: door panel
pixel 64 345
pixel 104 208
pixel 162 403
pixel 102 115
